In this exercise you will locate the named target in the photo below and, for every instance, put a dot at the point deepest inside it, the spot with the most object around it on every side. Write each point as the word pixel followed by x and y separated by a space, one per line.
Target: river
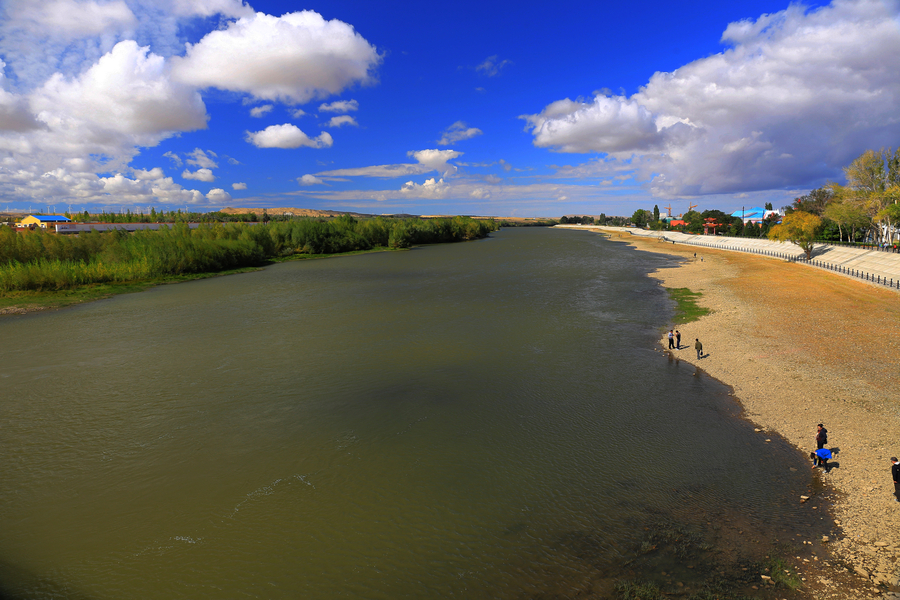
pixel 489 419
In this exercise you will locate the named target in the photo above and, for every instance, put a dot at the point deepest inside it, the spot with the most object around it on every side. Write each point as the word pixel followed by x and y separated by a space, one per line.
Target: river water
pixel 479 420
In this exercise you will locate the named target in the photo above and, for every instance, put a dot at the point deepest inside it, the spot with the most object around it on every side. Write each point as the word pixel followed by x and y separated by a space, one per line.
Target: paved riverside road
pixel 870 265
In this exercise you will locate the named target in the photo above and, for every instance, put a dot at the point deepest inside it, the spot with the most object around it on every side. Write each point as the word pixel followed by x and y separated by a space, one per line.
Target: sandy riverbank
pixel 801 346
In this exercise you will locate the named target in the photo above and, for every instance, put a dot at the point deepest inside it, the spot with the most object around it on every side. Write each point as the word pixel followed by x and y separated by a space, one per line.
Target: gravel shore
pixel 801 346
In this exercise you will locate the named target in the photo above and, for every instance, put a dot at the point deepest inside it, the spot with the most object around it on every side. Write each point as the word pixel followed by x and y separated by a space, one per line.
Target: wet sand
pixel 801 346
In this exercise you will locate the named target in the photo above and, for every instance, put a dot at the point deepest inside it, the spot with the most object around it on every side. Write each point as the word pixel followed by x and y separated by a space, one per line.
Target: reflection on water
pixel 477 420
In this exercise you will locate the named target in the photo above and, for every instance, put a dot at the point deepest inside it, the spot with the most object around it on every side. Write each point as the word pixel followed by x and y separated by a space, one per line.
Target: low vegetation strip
pixel 687 307
pixel 39 261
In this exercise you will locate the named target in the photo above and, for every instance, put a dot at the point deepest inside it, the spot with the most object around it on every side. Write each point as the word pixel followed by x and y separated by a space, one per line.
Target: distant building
pixel 43 220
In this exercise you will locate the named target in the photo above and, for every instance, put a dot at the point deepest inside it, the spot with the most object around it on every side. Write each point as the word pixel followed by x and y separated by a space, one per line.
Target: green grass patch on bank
pixel 18 302
pixel 687 307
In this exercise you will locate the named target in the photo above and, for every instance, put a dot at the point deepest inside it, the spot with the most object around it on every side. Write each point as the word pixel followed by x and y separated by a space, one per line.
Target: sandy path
pixel 801 346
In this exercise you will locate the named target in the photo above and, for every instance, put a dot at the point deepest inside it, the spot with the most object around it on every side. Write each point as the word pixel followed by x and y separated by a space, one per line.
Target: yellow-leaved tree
pixel 799 228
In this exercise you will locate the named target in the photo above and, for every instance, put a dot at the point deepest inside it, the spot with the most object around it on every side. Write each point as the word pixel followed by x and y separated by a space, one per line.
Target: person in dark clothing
pixel 698 347
pixel 677 339
pixel 821 436
pixel 895 473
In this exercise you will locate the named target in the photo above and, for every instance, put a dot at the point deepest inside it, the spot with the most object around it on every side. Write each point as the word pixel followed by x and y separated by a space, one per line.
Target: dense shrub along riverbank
pixel 44 261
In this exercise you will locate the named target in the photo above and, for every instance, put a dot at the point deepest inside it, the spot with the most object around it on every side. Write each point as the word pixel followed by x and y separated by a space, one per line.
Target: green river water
pixel 479 420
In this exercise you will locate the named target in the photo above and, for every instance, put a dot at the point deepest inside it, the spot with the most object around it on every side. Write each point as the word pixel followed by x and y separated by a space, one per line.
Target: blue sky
pixel 530 109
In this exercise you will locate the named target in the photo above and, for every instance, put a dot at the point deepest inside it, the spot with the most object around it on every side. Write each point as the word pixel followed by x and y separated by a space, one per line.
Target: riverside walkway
pixel 871 265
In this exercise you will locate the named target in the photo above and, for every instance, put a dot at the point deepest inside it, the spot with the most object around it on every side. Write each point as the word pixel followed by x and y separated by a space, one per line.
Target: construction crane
pixel 691 206
pixel 668 210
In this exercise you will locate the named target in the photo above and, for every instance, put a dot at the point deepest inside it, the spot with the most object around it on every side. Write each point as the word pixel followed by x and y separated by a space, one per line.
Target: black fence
pixel 877 279
pixel 892 248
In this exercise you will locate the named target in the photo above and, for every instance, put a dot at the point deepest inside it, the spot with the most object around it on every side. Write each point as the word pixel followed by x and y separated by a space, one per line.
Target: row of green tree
pixel 601 220
pixel 38 260
pixel 175 216
pixel 867 208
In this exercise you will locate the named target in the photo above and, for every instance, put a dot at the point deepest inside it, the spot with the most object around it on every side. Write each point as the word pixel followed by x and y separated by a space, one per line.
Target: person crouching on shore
pixel 820 458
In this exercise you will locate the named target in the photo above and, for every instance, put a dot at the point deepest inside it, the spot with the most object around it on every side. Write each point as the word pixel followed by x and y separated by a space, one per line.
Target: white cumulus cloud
pixel 436 160
pixel 309 180
pixel 797 95
pixel 287 136
pixel 239 186
pixel 200 158
pixel 218 196
pixel 429 189
pixel 126 99
pixel 293 58
pixel 200 175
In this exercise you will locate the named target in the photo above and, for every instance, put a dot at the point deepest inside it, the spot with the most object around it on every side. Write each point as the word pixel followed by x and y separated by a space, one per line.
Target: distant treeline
pixel 528 223
pixel 176 216
pixel 44 261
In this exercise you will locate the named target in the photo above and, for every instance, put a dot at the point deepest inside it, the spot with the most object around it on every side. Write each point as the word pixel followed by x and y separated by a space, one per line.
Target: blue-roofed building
pixel 44 220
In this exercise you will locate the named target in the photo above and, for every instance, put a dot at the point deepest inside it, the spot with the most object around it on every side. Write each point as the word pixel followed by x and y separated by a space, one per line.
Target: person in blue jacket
pixel 820 458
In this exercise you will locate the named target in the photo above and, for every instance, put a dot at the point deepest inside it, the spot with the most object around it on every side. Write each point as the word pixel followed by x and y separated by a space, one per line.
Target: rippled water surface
pixel 477 420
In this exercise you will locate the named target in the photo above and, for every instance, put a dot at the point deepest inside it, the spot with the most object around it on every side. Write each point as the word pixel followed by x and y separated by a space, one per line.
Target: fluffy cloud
pixel 151 174
pixel 293 58
pixel 342 120
pixel 200 175
pixel 429 189
pixel 200 158
pixel 309 180
pixel 261 111
pixel 457 132
pixel 125 99
pixel 797 95
pixel 77 186
pixel 239 186
pixel 218 196
pixel 287 136
pixel 78 96
pixel 607 125
pixel 428 160
pixel 436 160
pixel 340 106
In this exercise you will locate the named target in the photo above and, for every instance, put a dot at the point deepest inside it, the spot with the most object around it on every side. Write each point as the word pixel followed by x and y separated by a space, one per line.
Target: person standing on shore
pixel 677 340
pixel 895 473
pixel 821 436
pixel 671 339
pixel 699 347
